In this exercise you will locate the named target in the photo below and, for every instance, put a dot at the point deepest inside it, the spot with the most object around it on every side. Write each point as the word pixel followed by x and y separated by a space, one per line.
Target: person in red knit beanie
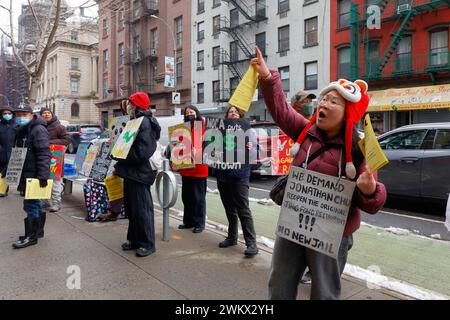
pixel 341 105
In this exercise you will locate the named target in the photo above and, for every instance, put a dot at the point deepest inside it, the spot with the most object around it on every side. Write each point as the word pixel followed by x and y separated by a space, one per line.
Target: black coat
pixel 57 133
pixel 7 138
pixel 34 136
pixel 137 166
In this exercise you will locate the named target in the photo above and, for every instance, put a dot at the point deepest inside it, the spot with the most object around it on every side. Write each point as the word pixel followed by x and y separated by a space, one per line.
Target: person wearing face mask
pixel 193 190
pixel 302 103
pixel 58 135
pixel 32 134
pixel 7 137
pixel 138 176
pixel 330 135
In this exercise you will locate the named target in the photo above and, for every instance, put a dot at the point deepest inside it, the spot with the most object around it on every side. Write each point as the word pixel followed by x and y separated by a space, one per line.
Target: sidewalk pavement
pixel 189 266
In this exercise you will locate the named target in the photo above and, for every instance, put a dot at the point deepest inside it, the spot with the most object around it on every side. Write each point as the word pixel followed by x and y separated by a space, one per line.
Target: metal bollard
pixel 169 196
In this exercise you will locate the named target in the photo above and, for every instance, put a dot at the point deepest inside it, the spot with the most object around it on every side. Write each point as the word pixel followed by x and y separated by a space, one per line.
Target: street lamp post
pixel 174 49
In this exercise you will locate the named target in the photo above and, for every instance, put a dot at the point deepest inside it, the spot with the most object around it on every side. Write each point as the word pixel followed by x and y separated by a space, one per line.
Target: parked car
pixel 82 133
pixel 103 137
pixel 419 161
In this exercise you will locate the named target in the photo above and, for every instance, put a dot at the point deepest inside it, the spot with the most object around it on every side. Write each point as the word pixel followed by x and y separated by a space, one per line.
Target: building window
pixel 311 75
pixel 179 30
pixel 439 52
pixel 74 63
pixel 216 3
pixel 260 40
pixel 215 56
pixel 372 61
pixel 105 60
pixel 344 13
pixel 120 78
pixel 216 90
pixel 234 51
pixel 74 35
pixel 105 27
pixel 344 63
pixel 234 18
pixel 403 59
pixel 137 10
pixel 154 75
pixel 260 8
pixel 179 70
pixel 234 82
pixel 154 38
pixel 121 54
pixel 283 6
pixel 74 84
pixel 200 60
pixel 310 1
pixel 200 6
pixel 216 24
pixel 105 87
pixel 136 48
pixel 200 30
pixel 121 19
pixel 75 110
pixel 284 75
pixel 311 32
pixel 200 93
pixel 283 39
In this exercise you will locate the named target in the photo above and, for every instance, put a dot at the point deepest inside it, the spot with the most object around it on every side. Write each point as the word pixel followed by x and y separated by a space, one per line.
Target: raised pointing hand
pixel 260 65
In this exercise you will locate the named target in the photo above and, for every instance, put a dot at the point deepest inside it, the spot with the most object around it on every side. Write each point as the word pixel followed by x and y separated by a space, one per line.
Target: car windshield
pixel 90 130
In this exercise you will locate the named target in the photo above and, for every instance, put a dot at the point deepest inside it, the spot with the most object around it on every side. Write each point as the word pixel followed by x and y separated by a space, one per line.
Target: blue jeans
pixel 33 208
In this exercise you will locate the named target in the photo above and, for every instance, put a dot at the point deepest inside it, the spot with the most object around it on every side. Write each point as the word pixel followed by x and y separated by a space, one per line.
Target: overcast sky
pixel 17 5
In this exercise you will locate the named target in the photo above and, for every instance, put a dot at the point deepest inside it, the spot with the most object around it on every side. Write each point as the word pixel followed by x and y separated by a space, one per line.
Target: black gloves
pixel 43 183
pixel 3 174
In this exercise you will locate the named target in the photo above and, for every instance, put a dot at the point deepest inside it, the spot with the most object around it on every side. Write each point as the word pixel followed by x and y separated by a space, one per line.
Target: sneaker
pixel 227 243
pixel 54 209
pixel 251 250
pixel 143 252
pixel 306 278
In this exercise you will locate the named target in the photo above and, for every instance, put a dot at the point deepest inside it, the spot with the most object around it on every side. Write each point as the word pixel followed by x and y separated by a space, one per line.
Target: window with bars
pixel 283 39
pixel 311 31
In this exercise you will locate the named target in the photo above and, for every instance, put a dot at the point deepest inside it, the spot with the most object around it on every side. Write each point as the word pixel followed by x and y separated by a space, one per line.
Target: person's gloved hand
pixel 3 174
pixel 43 183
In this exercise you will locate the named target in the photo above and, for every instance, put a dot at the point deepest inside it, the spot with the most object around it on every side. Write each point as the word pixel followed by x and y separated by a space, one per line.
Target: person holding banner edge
pixel 7 137
pixel 233 185
pixel 341 105
pixel 138 177
pixel 33 135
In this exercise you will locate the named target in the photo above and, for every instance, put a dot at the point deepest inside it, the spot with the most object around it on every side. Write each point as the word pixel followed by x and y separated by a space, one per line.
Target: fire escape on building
pixel 234 29
pixel 140 59
pixel 404 64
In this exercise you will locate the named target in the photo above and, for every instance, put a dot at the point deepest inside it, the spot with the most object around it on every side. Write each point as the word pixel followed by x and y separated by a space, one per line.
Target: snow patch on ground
pixel 266 241
pixel 435 236
pixel 374 280
pixel 398 231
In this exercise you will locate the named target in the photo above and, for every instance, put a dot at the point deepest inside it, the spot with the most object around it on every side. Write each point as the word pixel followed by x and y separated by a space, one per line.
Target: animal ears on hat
pixel 362 85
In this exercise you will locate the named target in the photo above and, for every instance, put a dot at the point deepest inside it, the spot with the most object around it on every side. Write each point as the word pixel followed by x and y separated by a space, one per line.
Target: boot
pixel 27 229
pixel 40 231
pixel 31 239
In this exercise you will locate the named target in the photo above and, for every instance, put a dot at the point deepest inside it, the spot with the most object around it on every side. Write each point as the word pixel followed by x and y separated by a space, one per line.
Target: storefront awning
pixel 417 98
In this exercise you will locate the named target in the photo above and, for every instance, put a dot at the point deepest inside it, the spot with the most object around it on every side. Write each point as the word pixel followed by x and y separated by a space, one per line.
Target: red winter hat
pixel 357 101
pixel 140 99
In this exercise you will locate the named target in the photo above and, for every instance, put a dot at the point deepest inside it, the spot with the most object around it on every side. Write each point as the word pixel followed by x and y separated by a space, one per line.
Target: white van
pixel 165 123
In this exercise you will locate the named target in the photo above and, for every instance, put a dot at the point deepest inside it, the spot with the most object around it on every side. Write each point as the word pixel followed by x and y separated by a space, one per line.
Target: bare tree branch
pixel 35 17
pixel 5 8
pixel 5 33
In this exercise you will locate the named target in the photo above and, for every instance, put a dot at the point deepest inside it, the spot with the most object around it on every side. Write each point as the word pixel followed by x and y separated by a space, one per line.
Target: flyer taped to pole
pixel 374 155
pixel 243 95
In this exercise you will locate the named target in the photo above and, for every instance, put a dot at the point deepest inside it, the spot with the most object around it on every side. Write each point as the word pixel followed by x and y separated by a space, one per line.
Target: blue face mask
pixel 308 109
pixel 7 117
pixel 21 121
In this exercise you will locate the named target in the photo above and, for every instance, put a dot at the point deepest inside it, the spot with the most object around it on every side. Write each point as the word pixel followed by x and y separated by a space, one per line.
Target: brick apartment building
pixel 406 60
pixel 133 44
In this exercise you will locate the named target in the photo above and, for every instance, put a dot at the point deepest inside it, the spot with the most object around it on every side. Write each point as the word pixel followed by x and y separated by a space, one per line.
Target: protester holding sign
pixel 193 190
pixel 138 177
pixel 233 186
pixel 7 137
pixel 341 105
pixel 33 135
pixel 58 136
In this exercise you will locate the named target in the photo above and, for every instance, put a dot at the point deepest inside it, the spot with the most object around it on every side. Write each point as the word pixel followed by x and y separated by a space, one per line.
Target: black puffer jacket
pixel 7 138
pixel 137 166
pixel 34 136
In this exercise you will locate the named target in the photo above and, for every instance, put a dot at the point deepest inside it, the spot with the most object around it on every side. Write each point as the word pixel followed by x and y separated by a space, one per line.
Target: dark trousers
pixel 139 208
pixel 33 208
pixel 234 197
pixel 193 194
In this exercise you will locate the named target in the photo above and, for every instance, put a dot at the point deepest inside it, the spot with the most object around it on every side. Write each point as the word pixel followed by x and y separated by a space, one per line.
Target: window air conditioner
pixel 200 65
pixel 403 7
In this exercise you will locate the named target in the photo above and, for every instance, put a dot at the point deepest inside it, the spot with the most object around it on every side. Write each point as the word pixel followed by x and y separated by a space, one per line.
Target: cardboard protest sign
pixel 245 91
pixel 15 166
pixel 370 147
pixel 126 138
pixel 314 210
pixel 33 190
pixel 57 161
pixel 80 157
pixel 89 161
pixel 116 126
pixel 102 162
pixel 225 143
pixel 182 143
